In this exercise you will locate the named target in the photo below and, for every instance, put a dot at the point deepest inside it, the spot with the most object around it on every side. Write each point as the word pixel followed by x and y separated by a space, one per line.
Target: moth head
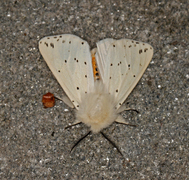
pixel 97 109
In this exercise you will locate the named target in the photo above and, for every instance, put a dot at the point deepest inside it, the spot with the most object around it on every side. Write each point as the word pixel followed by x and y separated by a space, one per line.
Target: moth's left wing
pixel 69 58
pixel 121 64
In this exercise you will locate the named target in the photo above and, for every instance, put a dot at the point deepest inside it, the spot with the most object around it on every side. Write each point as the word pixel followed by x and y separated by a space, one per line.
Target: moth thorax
pixel 97 110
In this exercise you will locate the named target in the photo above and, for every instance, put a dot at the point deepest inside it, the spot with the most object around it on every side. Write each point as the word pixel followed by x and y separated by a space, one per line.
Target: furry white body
pixel 121 63
pixel 97 109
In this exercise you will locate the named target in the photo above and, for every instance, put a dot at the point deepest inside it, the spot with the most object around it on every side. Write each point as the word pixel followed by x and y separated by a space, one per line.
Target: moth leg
pixel 66 100
pixel 74 124
pixel 130 109
pixel 123 108
pixel 121 120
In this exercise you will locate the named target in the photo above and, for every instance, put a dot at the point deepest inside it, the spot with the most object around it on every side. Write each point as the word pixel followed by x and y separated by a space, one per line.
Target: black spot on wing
pixel 52 45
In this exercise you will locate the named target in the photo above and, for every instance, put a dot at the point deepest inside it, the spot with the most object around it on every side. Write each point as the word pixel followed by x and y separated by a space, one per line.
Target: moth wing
pixel 121 64
pixel 69 58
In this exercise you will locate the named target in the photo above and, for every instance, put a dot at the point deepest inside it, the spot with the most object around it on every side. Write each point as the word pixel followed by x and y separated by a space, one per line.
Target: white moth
pixel 98 98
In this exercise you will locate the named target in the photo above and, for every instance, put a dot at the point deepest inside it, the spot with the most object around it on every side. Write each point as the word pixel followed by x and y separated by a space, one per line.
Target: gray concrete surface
pixel 33 142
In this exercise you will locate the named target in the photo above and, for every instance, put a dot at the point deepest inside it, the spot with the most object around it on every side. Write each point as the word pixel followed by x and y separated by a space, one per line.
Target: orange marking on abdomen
pixel 95 69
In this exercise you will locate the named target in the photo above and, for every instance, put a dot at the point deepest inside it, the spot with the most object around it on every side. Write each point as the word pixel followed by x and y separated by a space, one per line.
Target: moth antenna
pixel 111 142
pixel 72 125
pixel 80 140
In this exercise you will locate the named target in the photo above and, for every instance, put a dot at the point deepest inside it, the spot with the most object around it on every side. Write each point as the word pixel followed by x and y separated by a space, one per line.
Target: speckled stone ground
pixel 33 142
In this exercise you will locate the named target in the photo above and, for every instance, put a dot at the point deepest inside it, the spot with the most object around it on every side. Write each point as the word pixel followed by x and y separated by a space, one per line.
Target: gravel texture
pixel 33 141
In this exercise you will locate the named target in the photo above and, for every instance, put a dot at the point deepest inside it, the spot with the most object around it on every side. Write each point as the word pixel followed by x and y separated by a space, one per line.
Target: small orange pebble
pixel 48 100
